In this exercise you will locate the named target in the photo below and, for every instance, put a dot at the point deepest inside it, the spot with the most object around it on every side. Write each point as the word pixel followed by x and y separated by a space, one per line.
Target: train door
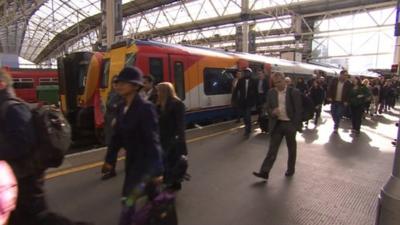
pixel 178 65
pixel 154 64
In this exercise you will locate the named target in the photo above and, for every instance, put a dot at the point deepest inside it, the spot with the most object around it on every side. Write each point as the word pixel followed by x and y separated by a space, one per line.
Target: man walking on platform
pixel 338 95
pixel 262 90
pixel 245 93
pixel 285 110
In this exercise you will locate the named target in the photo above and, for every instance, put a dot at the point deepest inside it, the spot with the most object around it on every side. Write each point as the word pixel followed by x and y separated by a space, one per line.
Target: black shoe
pixel 108 175
pixel 261 175
pixel 289 173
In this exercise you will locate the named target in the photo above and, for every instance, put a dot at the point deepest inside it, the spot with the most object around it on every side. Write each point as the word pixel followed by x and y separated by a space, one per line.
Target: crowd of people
pixel 147 121
pixel 350 96
pixel 289 105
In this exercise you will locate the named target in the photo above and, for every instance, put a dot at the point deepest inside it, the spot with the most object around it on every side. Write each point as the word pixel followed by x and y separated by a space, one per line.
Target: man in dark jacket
pixel 262 90
pixel 284 110
pixel 149 92
pixel 246 93
pixel 17 138
pixel 137 132
pixel 338 95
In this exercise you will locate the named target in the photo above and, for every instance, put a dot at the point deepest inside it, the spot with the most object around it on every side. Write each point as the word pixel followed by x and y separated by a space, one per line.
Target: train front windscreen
pixel 72 71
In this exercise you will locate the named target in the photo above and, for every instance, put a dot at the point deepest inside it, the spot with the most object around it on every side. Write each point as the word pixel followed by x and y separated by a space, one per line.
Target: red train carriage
pixel 27 80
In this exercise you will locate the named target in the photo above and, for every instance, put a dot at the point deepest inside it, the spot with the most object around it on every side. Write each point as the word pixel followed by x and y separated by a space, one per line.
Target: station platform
pixel 337 182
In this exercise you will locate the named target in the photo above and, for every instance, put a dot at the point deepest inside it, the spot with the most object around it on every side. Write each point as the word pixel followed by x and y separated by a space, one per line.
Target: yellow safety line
pixel 98 164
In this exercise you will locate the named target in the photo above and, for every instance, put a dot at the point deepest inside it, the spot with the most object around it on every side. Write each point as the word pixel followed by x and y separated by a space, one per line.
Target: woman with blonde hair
pixel 172 134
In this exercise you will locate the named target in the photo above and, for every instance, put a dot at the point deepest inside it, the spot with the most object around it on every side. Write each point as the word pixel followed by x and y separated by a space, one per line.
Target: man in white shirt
pixel 148 92
pixel 338 95
pixel 285 110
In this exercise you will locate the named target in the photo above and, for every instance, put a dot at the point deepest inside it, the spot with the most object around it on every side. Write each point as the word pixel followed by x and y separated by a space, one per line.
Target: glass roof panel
pixel 51 18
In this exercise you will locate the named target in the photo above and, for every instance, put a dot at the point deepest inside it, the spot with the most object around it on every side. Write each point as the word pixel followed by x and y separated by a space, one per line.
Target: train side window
pixel 217 81
pixel 179 72
pixel 82 76
pixel 156 69
pixel 23 84
pixel 48 81
pixel 105 74
pixel 130 59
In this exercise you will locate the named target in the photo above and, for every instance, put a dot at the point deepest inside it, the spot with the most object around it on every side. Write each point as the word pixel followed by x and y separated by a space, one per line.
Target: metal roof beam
pixel 93 22
pixel 310 9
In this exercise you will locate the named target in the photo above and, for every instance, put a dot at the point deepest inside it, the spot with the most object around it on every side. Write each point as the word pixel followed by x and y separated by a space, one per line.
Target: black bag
pixel 53 134
pixel 308 107
pixel 179 171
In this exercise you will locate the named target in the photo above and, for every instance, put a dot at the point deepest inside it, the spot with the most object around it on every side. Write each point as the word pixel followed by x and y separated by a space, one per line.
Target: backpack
pixel 53 134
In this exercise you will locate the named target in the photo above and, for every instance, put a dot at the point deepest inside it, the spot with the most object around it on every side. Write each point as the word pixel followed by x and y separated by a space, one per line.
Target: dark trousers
pixel 246 113
pixel 282 129
pixel 31 201
pixel 356 116
pixel 337 110
pixel 317 112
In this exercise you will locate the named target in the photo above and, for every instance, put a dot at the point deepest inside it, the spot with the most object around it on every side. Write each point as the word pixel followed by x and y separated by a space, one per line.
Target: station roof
pixel 41 27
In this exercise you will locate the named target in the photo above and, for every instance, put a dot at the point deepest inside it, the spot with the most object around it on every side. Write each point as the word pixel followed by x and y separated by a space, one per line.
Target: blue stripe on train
pixel 210 115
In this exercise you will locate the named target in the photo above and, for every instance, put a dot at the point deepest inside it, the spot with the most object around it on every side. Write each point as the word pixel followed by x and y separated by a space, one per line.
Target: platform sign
pixel 397 25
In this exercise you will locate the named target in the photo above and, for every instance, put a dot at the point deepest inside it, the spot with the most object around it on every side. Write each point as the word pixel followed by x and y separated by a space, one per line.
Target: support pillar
pixel 111 27
pixel 389 199
pixel 245 26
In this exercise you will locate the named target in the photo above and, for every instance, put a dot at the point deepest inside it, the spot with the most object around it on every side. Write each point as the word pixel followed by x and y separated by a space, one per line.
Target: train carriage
pixel 202 77
pixel 26 81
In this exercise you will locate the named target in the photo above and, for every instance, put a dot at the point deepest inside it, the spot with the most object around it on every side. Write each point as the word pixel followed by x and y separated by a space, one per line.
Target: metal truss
pixel 211 23
pixel 53 17
pixel 194 21
pixel 14 16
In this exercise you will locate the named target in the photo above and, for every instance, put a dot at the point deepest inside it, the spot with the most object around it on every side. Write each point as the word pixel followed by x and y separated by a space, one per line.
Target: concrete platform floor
pixel 337 181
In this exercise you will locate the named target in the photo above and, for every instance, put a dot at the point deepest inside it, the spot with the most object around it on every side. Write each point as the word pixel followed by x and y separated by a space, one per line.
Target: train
pixel 26 83
pixel 202 77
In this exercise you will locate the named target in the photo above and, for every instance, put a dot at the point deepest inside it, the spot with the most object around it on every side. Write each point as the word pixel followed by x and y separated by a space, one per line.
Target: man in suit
pixel 338 95
pixel 262 90
pixel 246 94
pixel 285 110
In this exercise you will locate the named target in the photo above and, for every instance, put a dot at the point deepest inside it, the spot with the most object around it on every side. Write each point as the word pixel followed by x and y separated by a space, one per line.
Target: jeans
pixel 337 109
